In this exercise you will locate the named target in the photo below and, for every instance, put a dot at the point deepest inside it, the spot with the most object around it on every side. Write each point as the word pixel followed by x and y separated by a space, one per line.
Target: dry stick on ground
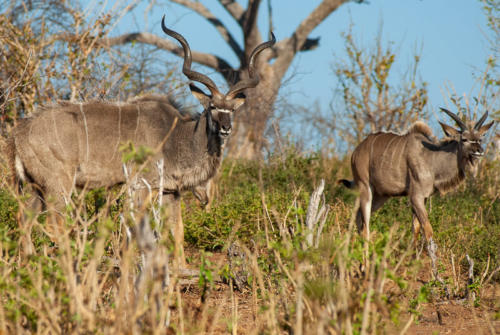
pixel 455 279
pixel 470 294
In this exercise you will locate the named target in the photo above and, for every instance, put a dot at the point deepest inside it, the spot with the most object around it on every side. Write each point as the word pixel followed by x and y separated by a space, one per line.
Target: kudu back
pixel 416 165
pixel 70 145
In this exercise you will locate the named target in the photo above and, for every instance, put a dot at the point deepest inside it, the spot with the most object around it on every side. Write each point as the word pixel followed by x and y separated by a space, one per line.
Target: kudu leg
pixel 49 193
pixel 56 205
pixel 418 204
pixel 416 230
pixel 364 211
pixel 363 221
pixel 26 218
pixel 368 204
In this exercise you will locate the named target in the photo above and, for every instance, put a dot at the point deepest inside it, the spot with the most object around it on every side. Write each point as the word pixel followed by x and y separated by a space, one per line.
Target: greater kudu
pixel 416 165
pixel 77 144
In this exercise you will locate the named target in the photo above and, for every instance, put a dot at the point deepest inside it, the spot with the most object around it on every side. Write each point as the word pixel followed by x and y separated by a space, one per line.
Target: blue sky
pixel 450 35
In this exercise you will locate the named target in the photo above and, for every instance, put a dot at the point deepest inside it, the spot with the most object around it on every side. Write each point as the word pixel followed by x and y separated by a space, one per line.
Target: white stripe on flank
pixel 137 123
pixel 57 135
pixel 119 132
pixel 86 130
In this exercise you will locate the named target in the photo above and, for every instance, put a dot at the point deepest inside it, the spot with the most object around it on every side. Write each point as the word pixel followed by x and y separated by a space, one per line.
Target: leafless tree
pixel 249 126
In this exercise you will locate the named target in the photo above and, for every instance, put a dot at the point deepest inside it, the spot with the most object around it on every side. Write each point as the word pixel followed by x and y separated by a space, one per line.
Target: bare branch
pixel 217 63
pixel 221 28
pixel 287 48
pixel 250 21
pixel 317 16
pixel 234 8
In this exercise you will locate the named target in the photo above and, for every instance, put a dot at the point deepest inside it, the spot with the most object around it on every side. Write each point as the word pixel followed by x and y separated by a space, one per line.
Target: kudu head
pixel 468 137
pixel 219 108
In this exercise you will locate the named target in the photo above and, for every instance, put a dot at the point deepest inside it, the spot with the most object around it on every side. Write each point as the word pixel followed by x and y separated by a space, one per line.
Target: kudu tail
pixel 347 183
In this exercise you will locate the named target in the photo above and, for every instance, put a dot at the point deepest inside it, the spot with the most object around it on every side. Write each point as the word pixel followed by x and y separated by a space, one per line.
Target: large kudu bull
pixel 416 165
pixel 77 144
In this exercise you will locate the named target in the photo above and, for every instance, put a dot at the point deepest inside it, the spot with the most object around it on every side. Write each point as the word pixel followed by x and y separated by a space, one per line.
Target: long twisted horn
pixel 481 121
pixel 186 67
pixel 253 79
pixel 460 123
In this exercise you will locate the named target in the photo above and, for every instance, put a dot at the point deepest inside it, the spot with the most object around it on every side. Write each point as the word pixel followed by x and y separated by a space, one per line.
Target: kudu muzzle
pixel 477 150
pixel 225 126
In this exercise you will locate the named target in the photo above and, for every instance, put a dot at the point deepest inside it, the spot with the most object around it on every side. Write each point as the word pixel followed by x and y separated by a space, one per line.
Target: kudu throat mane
pixel 445 185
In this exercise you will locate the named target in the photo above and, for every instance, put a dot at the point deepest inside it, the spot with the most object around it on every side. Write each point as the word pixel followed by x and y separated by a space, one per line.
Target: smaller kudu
pixel 76 145
pixel 416 165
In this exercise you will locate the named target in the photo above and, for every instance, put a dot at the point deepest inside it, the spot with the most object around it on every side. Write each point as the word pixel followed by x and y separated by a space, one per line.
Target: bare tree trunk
pixel 250 123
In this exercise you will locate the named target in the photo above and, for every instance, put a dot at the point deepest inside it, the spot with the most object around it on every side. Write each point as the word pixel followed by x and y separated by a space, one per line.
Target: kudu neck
pixel 450 166
pixel 456 156
pixel 205 136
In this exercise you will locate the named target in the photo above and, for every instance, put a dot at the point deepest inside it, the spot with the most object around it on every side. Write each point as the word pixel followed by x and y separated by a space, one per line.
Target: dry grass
pixel 105 272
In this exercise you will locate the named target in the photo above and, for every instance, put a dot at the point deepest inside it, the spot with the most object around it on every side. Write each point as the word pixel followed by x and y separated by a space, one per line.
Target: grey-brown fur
pixel 416 165
pixel 78 145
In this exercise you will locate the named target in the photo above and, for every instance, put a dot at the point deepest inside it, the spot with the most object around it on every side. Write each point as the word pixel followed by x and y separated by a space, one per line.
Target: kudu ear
pixel 449 131
pixel 202 97
pixel 238 102
pixel 485 128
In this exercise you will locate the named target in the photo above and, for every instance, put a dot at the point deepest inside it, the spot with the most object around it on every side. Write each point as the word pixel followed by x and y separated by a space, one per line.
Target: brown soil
pixel 441 317
pixel 455 319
